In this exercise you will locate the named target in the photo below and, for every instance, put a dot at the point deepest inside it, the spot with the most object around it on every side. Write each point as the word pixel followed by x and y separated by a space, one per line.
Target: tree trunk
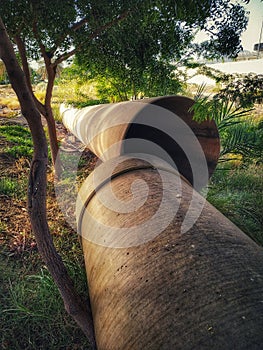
pixel 75 306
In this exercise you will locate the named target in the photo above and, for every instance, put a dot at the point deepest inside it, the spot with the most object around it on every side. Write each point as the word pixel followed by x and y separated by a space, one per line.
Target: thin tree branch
pixel 79 24
pixel 48 67
pixel 22 51
pixel 93 35
pixel 74 27
pixel 64 57
pixel 48 113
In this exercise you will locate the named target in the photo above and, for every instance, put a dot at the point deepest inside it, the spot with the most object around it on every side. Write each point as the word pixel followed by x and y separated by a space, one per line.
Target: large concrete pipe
pixel 153 287
pixel 164 123
pixel 152 284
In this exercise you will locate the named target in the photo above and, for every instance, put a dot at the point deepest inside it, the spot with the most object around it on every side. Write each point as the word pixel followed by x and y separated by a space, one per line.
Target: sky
pixel 252 34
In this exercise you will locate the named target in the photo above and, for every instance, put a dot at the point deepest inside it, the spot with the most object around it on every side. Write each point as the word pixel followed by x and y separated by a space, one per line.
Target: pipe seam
pixel 90 194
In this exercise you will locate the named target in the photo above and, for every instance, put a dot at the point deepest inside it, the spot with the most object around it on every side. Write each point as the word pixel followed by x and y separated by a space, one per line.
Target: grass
pixel 73 92
pixel 19 139
pixel 238 193
pixel 8 102
pixel 32 314
pixel 11 102
pixel 9 187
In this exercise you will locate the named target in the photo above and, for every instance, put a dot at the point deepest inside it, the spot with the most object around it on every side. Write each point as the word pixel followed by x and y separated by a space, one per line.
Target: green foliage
pixel 244 139
pixel 19 151
pixel 112 88
pixel 75 87
pixel 82 104
pixel 128 40
pixel 75 74
pixel 129 47
pixel 134 56
pixel 45 23
pixel 15 133
pixel 224 31
pixel 244 91
pixel 139 54
pixel 223 111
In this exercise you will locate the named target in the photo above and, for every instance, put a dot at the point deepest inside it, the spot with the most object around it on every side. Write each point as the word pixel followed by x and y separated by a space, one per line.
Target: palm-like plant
pixel 243 139
pixel 238 134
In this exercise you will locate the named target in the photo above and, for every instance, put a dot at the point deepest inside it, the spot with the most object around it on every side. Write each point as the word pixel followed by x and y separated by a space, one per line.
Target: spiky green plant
pixel 238 134
pixel 243 139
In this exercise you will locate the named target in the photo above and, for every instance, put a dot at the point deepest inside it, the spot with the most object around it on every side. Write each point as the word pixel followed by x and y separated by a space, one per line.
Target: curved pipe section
pixel 162 126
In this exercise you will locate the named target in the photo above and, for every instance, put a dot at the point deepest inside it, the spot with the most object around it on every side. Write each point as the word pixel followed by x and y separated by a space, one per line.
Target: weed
pixel 19 139
pixel 56 113
pixel 3 226
pixel 239 133
pixel 40 95
pixel 10 102
pixel 9 187
pixel 19 151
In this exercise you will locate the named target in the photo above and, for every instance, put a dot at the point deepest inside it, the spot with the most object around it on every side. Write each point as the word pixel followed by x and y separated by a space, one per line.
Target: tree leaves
pixel 142 50
pixel 132 42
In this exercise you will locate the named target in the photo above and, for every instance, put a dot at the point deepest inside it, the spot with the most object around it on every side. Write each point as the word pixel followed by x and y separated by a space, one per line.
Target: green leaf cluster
pixel 243 89
pixel 239 134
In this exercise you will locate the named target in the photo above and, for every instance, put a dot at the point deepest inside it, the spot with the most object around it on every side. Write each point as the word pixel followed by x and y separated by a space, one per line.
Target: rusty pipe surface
pixel 162 126
pixel 152 286
pixel 165 269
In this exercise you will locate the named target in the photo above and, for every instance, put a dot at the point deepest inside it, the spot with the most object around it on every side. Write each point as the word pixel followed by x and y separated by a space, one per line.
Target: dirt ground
pixel 15 235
